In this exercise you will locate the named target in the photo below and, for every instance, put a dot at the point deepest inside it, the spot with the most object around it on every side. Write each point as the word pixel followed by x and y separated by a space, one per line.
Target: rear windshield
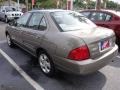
pixel 70 20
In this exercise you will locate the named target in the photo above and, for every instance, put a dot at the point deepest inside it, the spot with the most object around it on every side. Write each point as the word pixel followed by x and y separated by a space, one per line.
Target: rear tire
pixel 46 64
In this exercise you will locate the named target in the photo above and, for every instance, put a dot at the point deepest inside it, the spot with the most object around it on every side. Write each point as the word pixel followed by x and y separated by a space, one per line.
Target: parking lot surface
pixel 105 79
pixel 10 79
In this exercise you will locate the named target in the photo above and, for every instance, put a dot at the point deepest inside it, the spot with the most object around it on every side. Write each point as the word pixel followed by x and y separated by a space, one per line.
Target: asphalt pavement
pixel 2 31
pixel 10 79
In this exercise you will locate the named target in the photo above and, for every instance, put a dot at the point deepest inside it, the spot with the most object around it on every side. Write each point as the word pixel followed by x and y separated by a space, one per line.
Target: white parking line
pixel 3 41
pixel 118 56
pixel 20 70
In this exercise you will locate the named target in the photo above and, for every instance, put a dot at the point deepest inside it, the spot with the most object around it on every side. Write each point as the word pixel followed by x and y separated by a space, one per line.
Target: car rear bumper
pixel 87 66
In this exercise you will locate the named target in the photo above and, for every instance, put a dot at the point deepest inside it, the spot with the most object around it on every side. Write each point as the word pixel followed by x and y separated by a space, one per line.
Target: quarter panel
pixel 60 43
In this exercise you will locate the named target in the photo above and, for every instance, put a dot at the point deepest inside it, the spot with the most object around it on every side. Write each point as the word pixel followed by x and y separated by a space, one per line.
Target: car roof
pixel 104 10
pixel 48 10
pixel 114 12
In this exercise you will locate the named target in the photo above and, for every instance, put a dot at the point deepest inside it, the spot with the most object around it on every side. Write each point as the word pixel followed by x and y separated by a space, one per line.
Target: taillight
pixel 79 54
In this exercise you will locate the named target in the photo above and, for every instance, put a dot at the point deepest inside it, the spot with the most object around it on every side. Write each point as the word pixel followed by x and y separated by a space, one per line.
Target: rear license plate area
pixel 103 45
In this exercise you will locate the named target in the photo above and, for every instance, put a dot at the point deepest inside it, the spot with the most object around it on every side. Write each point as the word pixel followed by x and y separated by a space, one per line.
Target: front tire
pixel 46 64
pixel 6 19
pixel 9 40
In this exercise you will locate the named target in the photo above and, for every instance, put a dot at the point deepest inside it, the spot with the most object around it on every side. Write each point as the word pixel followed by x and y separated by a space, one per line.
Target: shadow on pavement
pixel 115 63
pixel 63 81
pixel 6 87
pixel 94 81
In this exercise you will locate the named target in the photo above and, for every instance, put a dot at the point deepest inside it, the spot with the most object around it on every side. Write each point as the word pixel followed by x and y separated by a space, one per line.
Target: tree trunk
pixel 98 5
pixel 87 4
pixel 104 3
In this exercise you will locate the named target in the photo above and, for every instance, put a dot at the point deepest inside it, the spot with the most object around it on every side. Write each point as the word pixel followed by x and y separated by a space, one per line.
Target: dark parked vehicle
pixel 105 18
pixel 62 39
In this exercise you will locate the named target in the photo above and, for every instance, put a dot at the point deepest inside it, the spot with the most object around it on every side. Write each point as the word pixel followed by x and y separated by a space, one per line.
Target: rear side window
pixel 99 16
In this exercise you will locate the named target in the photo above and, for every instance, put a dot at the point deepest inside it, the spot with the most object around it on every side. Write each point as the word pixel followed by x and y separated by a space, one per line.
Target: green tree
pixel 21 1
pixel 46 3
pixel 79 3
pixel 91 5
pixel 104 3
pixel 111 5
pixel 85 4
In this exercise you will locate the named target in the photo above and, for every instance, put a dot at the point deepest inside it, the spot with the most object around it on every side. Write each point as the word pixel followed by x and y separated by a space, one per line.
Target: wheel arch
pixel 38 50
pixel 6 33
pixel 5 16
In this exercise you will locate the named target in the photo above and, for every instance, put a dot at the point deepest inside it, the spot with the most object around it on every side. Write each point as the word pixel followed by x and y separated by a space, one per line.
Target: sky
pixel 116 1
pixel 113 0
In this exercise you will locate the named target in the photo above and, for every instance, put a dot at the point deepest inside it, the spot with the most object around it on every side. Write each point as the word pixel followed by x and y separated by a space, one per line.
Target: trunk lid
pixel 93 37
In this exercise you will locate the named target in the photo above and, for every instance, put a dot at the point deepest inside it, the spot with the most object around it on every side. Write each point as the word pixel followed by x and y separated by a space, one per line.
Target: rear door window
pixel 35 21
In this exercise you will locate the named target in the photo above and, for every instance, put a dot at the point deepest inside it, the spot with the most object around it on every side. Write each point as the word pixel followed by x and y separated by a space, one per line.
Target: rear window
pixel 85 14
pixel 70 20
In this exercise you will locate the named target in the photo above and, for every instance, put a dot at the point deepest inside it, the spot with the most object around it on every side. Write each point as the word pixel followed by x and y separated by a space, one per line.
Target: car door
pixel 18 27
pixel 102 19
pixel 36 28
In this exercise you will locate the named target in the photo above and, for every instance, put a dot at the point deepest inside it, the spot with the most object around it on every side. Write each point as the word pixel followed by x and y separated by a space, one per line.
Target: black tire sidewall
pixel 6 19
pixel 11 45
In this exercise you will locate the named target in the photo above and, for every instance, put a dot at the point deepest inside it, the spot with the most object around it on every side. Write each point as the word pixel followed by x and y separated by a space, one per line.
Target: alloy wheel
pixel 44 63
